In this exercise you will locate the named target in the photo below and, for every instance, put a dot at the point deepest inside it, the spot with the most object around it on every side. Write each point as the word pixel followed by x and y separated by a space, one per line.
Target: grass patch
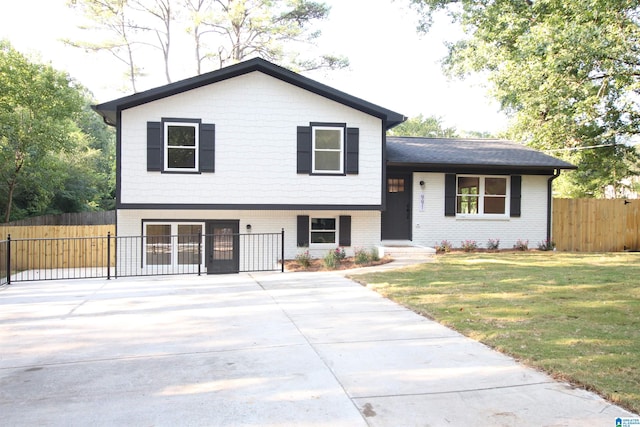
pixel 575 316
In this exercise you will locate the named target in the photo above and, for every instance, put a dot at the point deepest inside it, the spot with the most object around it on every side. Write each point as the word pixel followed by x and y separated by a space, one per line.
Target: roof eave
pixel 109 109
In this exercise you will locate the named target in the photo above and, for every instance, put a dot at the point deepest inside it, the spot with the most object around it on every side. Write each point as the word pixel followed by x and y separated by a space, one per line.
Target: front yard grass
pixel 575 316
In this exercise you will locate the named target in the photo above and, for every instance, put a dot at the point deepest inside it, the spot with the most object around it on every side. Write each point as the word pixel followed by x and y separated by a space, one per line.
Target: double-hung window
pixel 481 195
pixel 323 230
pixel 181 146
pixel 328 149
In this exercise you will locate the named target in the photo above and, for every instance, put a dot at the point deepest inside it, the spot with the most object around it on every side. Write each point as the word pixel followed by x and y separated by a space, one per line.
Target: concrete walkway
pixel 268 349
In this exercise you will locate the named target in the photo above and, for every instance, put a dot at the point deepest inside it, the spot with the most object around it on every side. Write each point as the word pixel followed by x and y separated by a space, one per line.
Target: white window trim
pixel 481 196
pixel 194 125
pixel 174 245
pixel 313 150
pixel 324 245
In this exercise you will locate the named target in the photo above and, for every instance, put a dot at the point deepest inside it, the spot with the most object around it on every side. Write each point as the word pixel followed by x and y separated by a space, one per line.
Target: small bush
pixel 331 260
pixel 444 246
pixel 469 245
pixel 361 256
pixel 340 253
pixel 304 259
pixel 374 255
pixel 521 245
pixel 493 244
pixel 547 245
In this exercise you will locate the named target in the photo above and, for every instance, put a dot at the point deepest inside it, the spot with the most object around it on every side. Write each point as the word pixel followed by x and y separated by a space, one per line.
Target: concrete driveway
pixel 268 349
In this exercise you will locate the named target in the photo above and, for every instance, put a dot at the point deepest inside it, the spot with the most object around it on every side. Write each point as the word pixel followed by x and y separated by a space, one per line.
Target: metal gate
pixel 126 256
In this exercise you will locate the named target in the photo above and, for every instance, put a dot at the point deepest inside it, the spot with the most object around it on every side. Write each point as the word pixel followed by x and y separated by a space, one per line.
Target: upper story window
pixel 480 195
pixel 181 146
pixel 328 149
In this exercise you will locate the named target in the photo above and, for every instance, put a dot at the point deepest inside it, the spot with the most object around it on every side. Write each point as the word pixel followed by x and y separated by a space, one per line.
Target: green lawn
pixel 576 316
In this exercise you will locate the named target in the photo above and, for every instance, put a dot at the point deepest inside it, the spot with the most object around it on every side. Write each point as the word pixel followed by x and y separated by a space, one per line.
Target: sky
pixel 390 63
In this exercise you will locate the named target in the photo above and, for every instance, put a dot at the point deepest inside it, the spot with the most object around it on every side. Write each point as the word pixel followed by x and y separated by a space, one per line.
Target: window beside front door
pixel 481 195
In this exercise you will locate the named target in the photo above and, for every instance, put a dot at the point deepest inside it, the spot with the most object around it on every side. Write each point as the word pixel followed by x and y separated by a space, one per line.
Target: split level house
pixel 256 148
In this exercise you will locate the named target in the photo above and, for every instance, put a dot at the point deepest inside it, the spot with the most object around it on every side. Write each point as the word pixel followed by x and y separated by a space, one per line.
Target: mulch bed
pixel 317 264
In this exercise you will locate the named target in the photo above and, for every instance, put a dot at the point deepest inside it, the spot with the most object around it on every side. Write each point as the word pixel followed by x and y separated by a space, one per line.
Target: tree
pixel 117 32
pixel 222 31
pixel 567 72
pixel 55 154
pixel 37 109
pixel 429 127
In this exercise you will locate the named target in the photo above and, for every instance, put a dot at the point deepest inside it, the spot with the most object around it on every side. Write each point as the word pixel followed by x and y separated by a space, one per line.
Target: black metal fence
pixel 125 256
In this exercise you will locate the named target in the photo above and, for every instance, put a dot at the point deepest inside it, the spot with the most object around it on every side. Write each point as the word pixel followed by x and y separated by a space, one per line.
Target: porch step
pixel 400 250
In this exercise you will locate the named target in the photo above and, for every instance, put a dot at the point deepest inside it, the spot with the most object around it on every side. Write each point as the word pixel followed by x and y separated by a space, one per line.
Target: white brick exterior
pixel 256 117
pixel 365 225
pixel 431 226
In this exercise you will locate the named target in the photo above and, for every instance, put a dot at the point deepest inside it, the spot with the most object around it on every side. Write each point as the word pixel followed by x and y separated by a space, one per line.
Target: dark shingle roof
pixel 108 110
pixel 452 152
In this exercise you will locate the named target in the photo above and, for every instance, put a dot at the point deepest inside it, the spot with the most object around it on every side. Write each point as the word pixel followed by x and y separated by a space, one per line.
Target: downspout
pixel 556 173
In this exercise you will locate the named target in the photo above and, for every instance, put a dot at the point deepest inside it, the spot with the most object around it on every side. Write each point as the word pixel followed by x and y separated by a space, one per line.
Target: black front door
pixel 222 247
pixel 396 219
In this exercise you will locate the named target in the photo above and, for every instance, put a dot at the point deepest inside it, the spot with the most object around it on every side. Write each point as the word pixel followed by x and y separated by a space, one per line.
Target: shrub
pixel 304 259
pixel 469 245
pixel 444 246
pixel 331 260
pixel 493 244
pixel 340 254
pixel 361 256
pixel 374 255
pixel 521 245
pixel 547 245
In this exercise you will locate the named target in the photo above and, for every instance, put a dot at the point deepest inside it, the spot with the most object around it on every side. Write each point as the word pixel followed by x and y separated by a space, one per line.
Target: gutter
pixel 556 173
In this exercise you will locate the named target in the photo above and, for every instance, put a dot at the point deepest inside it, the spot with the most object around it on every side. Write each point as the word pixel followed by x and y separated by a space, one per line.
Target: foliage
pixel 340 253
pixel 568 73
pixel 493 244
pixel 574 315
pixel 363 256
pixel 56 156
pixel 444 246
pixel 331 260
pixel 469 245
pixel 223 32
pixel 428 127
pixel 521 245
pixel 304 259
pixel 547 245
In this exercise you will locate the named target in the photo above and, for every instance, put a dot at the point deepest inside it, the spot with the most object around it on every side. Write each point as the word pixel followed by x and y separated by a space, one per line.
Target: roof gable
pixel 108 110
pixel 466 153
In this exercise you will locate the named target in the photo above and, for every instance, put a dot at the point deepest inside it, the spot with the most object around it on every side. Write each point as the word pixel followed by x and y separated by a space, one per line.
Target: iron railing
pixel 125 256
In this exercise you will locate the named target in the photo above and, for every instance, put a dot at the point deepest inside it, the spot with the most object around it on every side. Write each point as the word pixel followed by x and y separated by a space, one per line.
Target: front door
pixel 222 247
pixel 396 219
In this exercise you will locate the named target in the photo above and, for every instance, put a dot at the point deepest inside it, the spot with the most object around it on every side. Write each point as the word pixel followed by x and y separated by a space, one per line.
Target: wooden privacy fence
pixel 596 225
pixel 69 243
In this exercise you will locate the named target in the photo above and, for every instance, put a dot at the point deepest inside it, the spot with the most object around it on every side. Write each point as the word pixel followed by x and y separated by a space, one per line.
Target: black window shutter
pixel 207 147
pixel 516 195
pixel 154 146
pixel 304 149
pixel 303 231
pixel 353 149
pixel 345 230
pixel 450 194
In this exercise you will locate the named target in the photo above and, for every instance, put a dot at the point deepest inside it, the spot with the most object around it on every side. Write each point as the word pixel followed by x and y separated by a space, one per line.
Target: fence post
pixel 282 253
pixel 199 252
pixel 8 259
pixel 108 255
